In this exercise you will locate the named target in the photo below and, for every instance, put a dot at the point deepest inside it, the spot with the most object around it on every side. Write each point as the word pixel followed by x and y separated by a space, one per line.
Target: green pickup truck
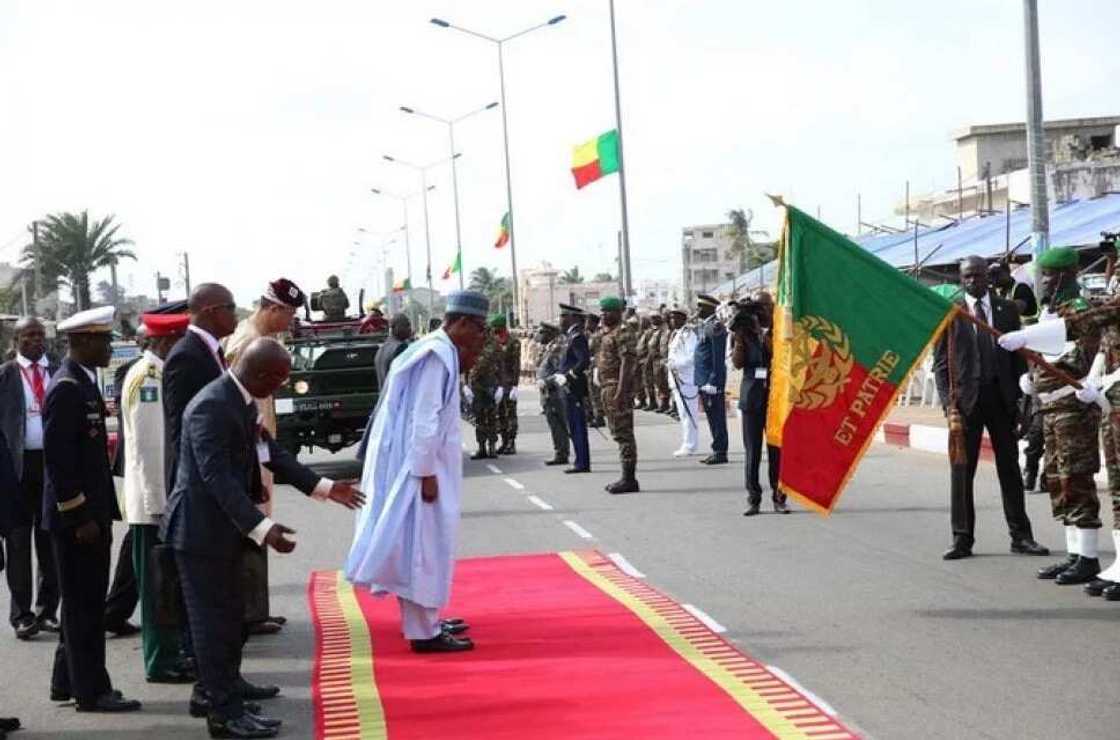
pixel 332 389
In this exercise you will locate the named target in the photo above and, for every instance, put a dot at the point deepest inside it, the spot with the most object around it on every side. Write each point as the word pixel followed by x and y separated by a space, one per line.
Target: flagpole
pixel 618 126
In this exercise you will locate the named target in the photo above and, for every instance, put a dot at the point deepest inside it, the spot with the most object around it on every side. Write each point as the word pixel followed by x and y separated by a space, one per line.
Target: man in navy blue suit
pixel 213 507
pixel 9 485
pixel 573 379
pixel 710 375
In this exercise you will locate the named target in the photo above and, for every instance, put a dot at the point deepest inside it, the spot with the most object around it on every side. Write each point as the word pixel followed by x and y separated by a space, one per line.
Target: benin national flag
pixel 503 232
pixel 848 330
pixel 402 285
pixel 595 158
pixel 454 267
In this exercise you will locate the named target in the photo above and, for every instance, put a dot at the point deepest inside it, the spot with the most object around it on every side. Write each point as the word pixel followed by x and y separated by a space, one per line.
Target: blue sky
pixel 249 133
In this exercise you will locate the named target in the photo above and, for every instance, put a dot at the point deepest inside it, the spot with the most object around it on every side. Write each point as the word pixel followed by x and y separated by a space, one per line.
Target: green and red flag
pixel 842 350
pixel 595 158
pixel 402 285
pixel 454 267
pixel 503 232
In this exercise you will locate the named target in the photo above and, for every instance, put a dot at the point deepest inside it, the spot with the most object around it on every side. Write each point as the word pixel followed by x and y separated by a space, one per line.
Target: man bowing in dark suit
pixel 986 386
pixel 79 506
pixel 213 507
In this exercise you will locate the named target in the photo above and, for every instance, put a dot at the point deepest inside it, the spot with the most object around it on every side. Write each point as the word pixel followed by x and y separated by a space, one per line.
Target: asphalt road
pixel 859 608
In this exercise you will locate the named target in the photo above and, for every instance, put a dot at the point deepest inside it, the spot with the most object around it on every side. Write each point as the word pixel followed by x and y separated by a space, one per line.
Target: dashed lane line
pixel 625 565
pixel 514 484
pixel 540 503
pixel 710 623
pixel 578 529
pixel 493 468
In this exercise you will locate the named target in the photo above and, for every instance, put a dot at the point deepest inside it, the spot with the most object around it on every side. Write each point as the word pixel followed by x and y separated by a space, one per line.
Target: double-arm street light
pixel 500 43
pixel 423 170
pixel 450 123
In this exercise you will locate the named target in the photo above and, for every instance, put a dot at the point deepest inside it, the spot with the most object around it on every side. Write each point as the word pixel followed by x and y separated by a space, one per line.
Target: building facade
pixel 542 290
pixel 706 259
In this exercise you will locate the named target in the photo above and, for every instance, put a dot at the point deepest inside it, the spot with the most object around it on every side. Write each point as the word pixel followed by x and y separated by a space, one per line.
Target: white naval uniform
pixel 682 353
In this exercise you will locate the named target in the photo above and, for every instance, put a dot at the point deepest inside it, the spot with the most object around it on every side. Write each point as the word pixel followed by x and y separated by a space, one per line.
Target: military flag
pixel 842 350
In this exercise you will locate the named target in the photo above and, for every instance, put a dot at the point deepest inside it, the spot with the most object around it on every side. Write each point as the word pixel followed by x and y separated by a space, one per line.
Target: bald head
pixel 206 295
pixel 263 367
pixel 212 308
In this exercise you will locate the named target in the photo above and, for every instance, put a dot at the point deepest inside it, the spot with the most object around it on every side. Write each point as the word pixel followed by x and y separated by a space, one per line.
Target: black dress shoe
pixel 716 458
pixel 253 692
pixel 200 706
pixel 1083 571
pixel 957 552
pixel 442 643
pixel 1112 593
pixel 49 624
pixel 242 727
pixel 752 509
pixel 9 724
pixel 123 629
pixel 1028 547
pixel 1050 572
pixel 1096 586
pixel 453 629
pixel 110 702
pixel 27 628
pixel 780 506
pixel 60 695
pixel 264 628
pixel 269 722
pixel 557 461
pixel 569 471
pixel 173 675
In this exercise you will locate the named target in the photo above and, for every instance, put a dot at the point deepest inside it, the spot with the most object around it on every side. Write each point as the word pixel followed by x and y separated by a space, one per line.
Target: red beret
pixel 165 324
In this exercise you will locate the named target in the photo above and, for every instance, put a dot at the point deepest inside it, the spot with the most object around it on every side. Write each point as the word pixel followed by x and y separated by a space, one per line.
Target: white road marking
pixel 541 503
pixel 493 468
pixel 821 703
pixel 578 529
pixel 710 623
pixel 625 566
pixel 514 484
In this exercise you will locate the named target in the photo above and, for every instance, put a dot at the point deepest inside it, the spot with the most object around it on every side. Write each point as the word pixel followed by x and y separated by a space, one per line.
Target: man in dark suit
pixel 710 375
pixel 79 506
pixel 23 383
pixel 212 508
pixel 986 388
pixel 9 482
pixel 573 378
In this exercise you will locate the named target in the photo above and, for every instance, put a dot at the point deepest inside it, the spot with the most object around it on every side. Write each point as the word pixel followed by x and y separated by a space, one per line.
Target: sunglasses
pixel 221 306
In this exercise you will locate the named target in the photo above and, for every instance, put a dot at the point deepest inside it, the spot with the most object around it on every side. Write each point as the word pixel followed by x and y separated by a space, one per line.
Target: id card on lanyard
pixel 38 393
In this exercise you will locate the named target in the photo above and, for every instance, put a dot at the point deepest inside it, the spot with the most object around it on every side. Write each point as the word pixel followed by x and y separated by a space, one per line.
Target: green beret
pixel 611 303
pixel 496 321
pixel 1058 258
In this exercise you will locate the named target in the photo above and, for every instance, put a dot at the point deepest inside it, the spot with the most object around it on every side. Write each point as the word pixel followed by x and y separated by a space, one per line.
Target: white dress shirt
pixel 322 488
pixel 33 425
pixel 986 301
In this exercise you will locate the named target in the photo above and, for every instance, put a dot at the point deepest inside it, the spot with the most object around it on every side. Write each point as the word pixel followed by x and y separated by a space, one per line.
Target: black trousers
pixel 124 594
pixel 716 412
pixel 24 582
pixel 754 424
pixel 990 413
pixel 215 611
pixel 83 574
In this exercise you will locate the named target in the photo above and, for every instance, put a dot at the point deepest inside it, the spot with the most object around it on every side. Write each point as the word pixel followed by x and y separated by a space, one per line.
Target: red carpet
pixel 567 647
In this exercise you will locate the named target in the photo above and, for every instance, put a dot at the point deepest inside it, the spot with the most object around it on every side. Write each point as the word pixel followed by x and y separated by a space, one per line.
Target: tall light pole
pixel 423 170
pixel 407 244
pixel 500 43
pixel 384 245
pixel 1036 135
pixel 450 123
pixel 621 160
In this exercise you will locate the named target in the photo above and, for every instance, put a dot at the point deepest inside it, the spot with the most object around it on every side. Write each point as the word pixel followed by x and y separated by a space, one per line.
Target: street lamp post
pixel 423 170
pixel 407 244
pixel 450 123
pixel 500 43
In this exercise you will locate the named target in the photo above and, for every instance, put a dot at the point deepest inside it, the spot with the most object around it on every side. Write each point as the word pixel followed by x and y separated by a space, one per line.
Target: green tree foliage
pixel 71 248
pixel 572 276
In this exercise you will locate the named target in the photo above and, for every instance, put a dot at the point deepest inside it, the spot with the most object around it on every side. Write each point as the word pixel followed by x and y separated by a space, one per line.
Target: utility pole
pixel 187 272
pixel 38 260
pixel 113 280
pixel 23 290
pixel 1036 136
pixel 621 160
pixel 159 289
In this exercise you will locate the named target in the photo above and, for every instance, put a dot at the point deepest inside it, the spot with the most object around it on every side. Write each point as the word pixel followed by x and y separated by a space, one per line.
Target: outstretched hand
pixel 429 488
pixel 346 492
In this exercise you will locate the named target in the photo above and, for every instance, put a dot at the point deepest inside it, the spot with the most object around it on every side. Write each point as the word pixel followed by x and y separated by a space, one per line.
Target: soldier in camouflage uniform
pixel 509 376
pixel 639 327
pixel 617 362
pixel 661 364
pixel 333 301
pixel 483 383
pixel 591 328
pixel 652 342
pixel 552 398
pixel 1070 420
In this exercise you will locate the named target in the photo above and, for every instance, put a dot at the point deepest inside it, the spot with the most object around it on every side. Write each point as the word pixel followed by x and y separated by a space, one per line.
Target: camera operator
pixel 751 351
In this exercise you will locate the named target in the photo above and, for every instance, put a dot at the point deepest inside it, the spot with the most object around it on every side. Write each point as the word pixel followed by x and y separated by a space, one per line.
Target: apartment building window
pixel 707 234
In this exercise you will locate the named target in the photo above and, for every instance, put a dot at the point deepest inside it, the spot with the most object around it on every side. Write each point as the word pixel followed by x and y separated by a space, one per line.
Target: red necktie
pixel 37 384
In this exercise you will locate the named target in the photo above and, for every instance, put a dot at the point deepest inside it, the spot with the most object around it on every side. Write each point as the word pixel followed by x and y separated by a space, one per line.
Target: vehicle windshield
pixel 304 356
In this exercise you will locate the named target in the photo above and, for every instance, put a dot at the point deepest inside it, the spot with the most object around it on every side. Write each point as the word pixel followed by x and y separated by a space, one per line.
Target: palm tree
pixel 603 277
pixel 572 276
pixel 497 289
pixel 740 234
pixel 73 248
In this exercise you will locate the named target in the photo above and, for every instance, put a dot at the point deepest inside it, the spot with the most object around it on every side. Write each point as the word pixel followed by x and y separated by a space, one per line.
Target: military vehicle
pixel 333 385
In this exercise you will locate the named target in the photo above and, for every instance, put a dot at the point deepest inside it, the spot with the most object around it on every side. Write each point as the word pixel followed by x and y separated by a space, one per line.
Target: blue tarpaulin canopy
pixel 1076 223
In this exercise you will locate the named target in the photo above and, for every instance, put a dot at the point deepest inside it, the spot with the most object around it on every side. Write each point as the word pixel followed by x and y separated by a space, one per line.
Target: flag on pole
pixel 455 266
pixel 402 285
pixel 595 158
pixel 842 351
pixel 503 232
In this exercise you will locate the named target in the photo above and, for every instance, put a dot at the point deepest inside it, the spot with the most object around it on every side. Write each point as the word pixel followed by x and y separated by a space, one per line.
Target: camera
pixel 1108 242
pixel 749 316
